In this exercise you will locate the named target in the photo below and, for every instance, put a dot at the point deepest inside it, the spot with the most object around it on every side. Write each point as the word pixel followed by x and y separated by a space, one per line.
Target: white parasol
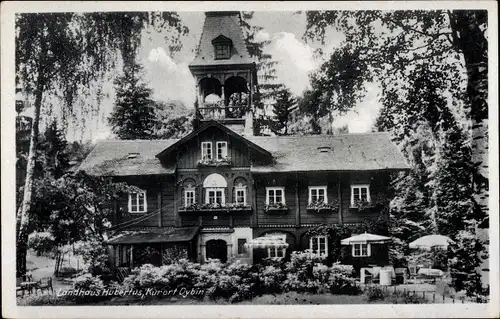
pixel 429 241
pixel 365 238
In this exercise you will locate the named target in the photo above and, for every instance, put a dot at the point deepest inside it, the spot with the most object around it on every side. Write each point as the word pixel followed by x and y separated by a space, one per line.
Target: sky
pixel 171 79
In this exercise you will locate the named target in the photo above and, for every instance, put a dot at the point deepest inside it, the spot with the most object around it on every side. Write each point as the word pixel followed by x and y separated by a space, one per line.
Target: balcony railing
pixel 216 207
pixel 219 112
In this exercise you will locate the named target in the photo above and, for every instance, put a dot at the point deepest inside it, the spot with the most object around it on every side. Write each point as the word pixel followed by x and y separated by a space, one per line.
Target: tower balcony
pixel 218 111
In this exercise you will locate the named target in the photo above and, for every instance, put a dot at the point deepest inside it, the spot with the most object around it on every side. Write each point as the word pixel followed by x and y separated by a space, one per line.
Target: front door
pixel 217 249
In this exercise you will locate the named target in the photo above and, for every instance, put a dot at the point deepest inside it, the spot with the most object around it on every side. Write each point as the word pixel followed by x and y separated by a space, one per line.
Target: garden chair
pixel 45 283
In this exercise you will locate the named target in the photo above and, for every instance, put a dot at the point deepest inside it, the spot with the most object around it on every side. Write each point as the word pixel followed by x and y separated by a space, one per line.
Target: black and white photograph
pixel 233 155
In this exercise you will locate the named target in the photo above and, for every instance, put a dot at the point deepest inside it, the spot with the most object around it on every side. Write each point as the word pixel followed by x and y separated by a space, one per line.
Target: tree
pixel 335 87
pixel 465 256
pixel 77 207
pixel 174 120
pixel 53 151
pixel 133 115
pixel 266 70
pixel 282 109
pixel 64 55
pixel 393 43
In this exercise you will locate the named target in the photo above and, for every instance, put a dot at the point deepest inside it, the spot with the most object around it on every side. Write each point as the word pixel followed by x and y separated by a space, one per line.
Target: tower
pixel 225 73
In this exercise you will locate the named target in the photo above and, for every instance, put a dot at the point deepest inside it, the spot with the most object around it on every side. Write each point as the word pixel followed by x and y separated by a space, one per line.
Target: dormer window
pixel 222 51
pixel 222 46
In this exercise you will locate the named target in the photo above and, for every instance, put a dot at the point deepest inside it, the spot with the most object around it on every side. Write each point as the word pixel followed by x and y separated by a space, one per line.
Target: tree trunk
pixel 23 221
pixel 472 42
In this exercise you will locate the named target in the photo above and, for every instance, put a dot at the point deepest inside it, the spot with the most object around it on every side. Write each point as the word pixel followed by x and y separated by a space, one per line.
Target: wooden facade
pixel 174 177
pixel 166 193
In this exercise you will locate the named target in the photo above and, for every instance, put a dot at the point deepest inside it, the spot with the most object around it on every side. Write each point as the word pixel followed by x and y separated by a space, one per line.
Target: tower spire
pixel 224 72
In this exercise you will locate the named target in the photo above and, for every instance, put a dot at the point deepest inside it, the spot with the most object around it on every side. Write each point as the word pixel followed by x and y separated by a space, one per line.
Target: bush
pixel 86 288
pixel 376 293
pixel 95 255
pixel 272 278
pixel 67 272
pixel 237 281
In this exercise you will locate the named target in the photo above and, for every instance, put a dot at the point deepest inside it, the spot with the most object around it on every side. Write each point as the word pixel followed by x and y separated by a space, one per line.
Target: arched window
pixel 215 189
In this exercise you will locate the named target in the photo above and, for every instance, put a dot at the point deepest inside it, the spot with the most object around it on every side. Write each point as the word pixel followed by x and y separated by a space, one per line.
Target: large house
pixel 211 192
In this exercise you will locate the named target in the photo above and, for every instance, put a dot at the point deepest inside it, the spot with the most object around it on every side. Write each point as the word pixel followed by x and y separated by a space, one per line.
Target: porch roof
pixel 162 235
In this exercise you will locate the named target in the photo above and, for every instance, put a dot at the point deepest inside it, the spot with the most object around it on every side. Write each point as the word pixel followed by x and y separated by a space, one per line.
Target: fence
pixel 431 295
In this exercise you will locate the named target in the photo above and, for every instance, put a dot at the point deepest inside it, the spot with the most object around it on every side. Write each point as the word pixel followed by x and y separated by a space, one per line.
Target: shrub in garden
pixel 67 272
pixel 376 293
pixel 94 254
pixel 341 280
pixel 272 278
pixel 237 281
pixel 88 288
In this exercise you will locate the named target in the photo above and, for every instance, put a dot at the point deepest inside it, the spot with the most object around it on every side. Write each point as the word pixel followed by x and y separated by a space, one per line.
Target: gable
pixel 212 125
pixel 221 39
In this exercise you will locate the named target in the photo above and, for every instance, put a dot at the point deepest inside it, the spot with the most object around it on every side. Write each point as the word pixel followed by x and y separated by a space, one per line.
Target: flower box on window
pixel 322 207
pixel 215 162
pixel 275 208
pixel 215 207
pixel 375 202
pixel 362 205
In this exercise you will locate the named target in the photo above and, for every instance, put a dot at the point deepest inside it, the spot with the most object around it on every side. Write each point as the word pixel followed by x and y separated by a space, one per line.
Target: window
pixel 189 195
pixel 206 150
pixel 221 150
pixel 275 252
pixel 137 202
pixel 275 195
pixel 222 51
pixel 215 195
pixel 241 245
pixel 240 194
pixel 317 194
pixel 319 245
pixel 360 192
pixel 361 250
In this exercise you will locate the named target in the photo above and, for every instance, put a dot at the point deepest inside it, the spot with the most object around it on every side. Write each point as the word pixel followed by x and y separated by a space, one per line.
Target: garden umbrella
pixel 365 238
pixel 429 241
pixel 267 242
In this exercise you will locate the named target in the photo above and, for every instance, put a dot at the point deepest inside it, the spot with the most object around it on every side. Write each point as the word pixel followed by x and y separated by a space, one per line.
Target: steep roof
pixel 348 152
pixel 111 158
pixel 226 24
